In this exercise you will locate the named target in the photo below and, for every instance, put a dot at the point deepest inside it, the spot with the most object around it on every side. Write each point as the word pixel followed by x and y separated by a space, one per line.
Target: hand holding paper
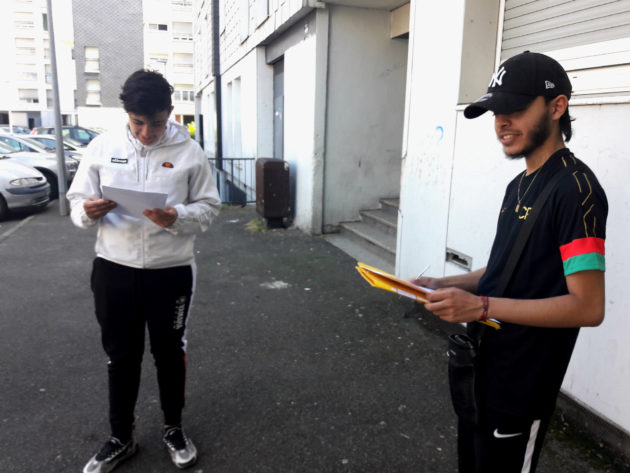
pixel 96 208
pixel 163 217
pixel 133 203
pixel 389 282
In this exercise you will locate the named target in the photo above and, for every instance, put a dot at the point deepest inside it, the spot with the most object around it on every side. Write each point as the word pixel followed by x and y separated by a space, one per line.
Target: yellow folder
pixel 388 282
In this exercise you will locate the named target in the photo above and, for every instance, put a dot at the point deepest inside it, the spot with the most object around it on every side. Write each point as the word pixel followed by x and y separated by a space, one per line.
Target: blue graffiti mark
pixel 441 131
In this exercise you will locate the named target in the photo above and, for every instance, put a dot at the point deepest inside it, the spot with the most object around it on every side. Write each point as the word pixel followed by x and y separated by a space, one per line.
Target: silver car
pixel 21 187
pixel 46 163
pixel 72 148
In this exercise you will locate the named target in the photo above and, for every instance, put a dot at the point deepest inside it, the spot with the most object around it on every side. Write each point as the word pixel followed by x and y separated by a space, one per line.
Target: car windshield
pixel 36 144
pixel 6 149
pixel 48 143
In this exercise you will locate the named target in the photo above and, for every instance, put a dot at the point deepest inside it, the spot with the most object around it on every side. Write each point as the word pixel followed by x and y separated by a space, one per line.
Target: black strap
pixel 526 230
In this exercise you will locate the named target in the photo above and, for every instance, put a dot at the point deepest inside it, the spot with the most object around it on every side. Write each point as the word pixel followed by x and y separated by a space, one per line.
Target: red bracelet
pixel 484 314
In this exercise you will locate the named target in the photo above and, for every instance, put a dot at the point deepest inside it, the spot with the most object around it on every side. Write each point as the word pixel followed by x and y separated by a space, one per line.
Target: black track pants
pixel 126 299
pixel 501 447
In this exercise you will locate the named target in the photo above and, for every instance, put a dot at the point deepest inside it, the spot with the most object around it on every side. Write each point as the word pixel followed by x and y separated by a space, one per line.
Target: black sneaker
pixel 112 453
pixel 182 450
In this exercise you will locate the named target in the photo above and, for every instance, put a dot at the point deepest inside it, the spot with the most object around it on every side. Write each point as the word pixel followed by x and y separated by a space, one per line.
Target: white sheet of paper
pixel 132 203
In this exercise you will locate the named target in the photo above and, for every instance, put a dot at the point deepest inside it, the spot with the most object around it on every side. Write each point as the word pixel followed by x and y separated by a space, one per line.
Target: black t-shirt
pixel 522 367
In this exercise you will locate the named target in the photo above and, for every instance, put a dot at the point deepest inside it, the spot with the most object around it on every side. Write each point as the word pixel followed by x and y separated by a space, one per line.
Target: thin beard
pixel 540 133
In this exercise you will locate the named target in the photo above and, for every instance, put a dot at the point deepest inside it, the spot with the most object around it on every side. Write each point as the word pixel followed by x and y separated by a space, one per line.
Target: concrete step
pixel 390 205
pixel 381 218
pixel 372 240
pixel 362 251
pixel 372 234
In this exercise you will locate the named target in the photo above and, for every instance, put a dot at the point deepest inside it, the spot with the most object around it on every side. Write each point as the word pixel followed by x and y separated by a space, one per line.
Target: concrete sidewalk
pixel 294 363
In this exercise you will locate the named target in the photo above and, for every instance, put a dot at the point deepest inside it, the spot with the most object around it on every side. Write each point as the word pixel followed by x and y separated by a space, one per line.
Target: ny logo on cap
pixel 497 77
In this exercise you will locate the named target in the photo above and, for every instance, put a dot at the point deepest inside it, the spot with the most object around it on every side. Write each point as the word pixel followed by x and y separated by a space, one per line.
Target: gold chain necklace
pixel 518 203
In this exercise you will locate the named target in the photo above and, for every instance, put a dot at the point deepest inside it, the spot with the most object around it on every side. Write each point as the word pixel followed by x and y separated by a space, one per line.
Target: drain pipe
pixel 216 73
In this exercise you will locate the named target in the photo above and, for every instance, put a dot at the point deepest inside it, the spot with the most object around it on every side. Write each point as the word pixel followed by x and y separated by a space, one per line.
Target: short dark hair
pixel 146 93
pixel 565 122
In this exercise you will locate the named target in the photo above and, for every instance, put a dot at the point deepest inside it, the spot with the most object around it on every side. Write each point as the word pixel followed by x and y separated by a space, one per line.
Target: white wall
pixel 299 126
pixel 429 135
pixel 102 117
pixel 239 108
pixel 599 373
pixel 366 100
pixel 453 181
pixel 247 106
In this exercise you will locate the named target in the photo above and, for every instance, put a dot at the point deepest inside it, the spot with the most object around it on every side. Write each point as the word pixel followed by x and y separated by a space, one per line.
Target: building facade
pixel 108 47
pixel 454 172
pixel 168 49
pixel 360 110
pixel 26 96
pixel 294 77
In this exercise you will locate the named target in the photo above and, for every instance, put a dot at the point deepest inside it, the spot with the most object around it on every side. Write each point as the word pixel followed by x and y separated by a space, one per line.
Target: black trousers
pixel 126 300
pixel 501 446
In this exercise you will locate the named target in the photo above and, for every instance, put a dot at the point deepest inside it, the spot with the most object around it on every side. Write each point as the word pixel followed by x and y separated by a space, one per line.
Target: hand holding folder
pixel 391 283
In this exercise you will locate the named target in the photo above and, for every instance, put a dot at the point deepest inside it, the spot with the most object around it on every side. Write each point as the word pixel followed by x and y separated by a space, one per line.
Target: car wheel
pixel 52 180
pixel 4 209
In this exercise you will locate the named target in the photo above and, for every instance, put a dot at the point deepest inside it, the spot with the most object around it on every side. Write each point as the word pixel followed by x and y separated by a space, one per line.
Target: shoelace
pixel 111 448
pixel 175 438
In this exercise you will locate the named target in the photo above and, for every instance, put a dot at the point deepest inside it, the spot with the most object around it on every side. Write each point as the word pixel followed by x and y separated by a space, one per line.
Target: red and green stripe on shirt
pixel 583 254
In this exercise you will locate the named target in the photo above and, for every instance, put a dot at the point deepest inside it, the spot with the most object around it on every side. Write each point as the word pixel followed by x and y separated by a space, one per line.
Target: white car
pixel 72 148
pixel 46 163
pixel 21 187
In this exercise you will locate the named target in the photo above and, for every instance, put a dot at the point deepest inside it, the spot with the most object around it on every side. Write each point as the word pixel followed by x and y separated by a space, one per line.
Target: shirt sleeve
pixel 203 203
pixel 86 183
pixel 581 211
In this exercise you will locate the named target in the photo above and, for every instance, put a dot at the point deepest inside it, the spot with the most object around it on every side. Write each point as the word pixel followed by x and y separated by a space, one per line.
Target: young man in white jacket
pixel 144 270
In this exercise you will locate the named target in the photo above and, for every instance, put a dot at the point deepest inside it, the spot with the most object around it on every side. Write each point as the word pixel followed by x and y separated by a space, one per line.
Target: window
pixel 48 72
pixel 182 31
pixel 158 63
pixel 93 92
pixel 182 3
pixel 158 26
pixel 92 59
pixel 25 46
pixel 183 63
pixel 23 20
pixel 27 76
pixel 183 95
pixel 590 39
pixel 45 21
pixel 243 19
pixel 28 95
pixel 50 101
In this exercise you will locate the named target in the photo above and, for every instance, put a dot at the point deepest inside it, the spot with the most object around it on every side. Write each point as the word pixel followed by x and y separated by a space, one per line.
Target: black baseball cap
pixel 518 81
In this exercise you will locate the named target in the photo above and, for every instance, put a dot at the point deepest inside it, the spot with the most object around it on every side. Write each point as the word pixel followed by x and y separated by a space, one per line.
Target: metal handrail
pixel 236 180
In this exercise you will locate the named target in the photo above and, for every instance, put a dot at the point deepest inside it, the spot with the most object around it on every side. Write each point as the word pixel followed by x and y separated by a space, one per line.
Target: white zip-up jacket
pixel 175 165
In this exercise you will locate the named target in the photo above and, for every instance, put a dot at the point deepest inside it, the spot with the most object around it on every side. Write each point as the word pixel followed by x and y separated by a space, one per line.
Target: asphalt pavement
pixel 295 364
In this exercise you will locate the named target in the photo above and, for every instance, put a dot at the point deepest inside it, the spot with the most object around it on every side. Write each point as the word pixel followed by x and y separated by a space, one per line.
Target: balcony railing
pixel 236 180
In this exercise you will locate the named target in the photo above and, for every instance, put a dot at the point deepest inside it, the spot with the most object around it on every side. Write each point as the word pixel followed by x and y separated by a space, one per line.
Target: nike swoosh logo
pixel 505 436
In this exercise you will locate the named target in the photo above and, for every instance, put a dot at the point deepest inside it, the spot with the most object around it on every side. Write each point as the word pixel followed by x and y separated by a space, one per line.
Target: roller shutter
pixel 548 25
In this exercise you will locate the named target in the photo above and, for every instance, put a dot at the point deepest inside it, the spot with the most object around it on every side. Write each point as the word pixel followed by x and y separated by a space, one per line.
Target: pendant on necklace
pixel 517 207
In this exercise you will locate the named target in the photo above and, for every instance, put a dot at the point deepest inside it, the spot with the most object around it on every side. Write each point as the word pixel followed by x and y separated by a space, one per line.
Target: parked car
pixel 18 130
pixel 46 163
pixel 21 187
pixel 77 133
pixel 26 143
pixel 49 142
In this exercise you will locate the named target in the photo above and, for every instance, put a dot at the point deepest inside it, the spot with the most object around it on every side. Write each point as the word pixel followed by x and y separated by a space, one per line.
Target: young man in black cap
pixel 557 285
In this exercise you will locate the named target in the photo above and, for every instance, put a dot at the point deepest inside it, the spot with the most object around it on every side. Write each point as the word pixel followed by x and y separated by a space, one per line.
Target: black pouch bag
pixel 462 376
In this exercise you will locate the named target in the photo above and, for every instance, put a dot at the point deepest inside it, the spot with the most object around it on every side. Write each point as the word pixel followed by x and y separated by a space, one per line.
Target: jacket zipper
pixel 142 178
